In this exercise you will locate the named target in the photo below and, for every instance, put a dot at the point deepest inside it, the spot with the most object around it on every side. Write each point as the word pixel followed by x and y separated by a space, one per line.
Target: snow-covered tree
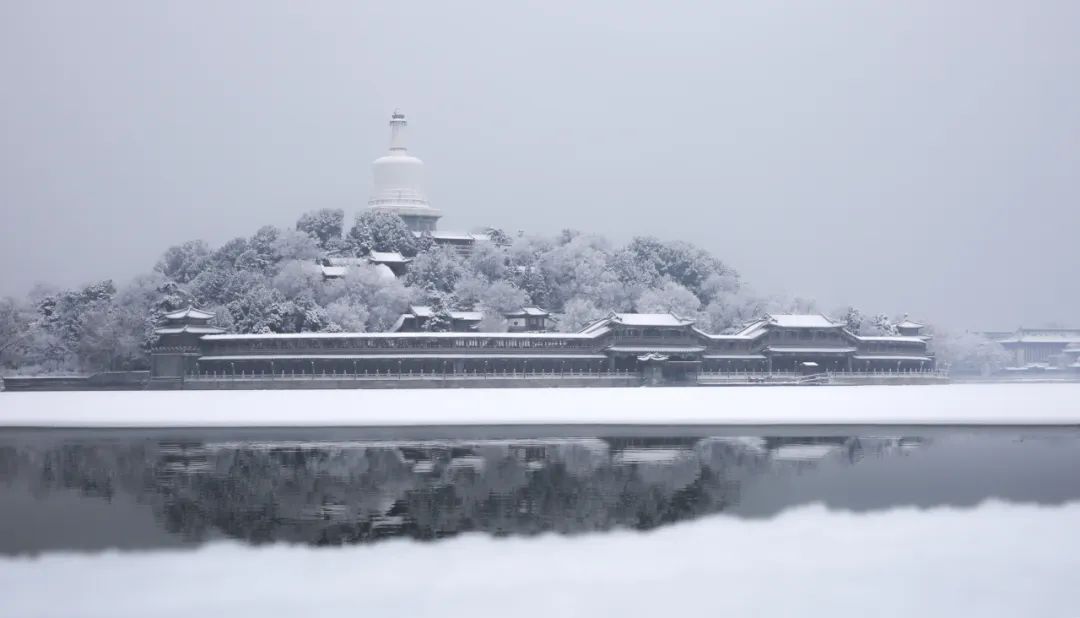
pixel 577 314
pixel 502 297
pixel 324 225
pixel 440 321
pixel 295 245
pixel 295 278
pixel 437 270
pixel 497 236
pixel 670 297
pixel 17 323
pixel 224 257
pixel 646 260
pixel 346 315
pixel 185 261
pixel 965 352
pixel 381 231
pixel 261 255
pixel 488 260
pixel 853 320
pixel 880 325
pixel 258 310
pixel 383 300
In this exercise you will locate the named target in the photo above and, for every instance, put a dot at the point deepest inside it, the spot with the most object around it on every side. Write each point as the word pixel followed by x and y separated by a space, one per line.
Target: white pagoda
pixel 398 185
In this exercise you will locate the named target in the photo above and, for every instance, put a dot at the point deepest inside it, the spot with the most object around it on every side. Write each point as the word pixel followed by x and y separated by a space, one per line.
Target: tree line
pixel 270 282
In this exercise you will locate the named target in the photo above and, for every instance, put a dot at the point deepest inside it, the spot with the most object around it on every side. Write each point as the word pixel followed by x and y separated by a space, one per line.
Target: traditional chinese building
pixel 418 317
pixel 529 320
pixel 179 342
pixel 1036 346
pixel 661 348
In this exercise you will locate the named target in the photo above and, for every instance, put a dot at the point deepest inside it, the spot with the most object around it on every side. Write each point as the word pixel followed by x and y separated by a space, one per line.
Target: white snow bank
pixel 997 560
pixel 1005 404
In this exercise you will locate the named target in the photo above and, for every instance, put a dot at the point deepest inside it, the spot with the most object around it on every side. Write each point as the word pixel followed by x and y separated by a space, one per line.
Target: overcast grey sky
pixel 916 156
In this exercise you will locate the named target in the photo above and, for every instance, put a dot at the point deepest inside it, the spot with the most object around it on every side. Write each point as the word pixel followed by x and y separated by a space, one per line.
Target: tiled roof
pixel 189 313
pixel 801 320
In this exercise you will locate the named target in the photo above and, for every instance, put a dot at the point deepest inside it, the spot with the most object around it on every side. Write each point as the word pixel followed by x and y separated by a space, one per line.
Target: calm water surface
pixel 92 490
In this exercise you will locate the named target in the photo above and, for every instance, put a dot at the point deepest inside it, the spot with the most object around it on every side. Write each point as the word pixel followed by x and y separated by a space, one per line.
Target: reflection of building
pixel 332 492
pixel 1030 346
pixel 661 348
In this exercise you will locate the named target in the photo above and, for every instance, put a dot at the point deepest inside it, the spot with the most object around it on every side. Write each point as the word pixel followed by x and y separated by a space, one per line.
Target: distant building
pixel 529 320
pixel 1036 346
pixel 391 260
pixel 907 328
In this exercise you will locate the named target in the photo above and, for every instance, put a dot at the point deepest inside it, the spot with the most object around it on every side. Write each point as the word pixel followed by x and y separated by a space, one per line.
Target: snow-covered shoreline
pixel 994 560
pixel 997 404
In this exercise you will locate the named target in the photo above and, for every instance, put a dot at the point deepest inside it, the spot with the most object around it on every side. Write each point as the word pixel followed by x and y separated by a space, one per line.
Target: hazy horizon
pixel 919 157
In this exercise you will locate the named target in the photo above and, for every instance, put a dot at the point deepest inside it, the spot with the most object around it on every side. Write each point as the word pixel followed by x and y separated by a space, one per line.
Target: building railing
pixel 412 375
pixel 800 377
pixel 551 374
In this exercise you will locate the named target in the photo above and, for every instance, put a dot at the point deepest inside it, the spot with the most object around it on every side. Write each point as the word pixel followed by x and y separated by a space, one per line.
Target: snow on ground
pixel 997 560
pixel 957 404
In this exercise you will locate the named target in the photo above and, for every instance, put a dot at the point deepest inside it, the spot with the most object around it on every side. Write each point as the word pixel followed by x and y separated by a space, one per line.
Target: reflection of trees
pixel 325 493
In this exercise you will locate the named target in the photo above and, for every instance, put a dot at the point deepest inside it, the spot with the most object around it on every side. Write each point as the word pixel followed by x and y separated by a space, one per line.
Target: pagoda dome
pixel 398 177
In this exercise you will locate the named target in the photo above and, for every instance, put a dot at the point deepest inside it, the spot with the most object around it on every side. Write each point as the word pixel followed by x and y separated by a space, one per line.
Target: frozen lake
pixel 893 501
pixel 450 521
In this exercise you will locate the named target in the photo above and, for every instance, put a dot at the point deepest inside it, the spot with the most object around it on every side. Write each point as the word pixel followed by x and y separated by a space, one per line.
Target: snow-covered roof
pixel 663 349
pixel 521 353
pixel 649 319
pixel 798 350
pixel 334 272
pixel 528 311
pixel 890 357
pixel 393 335
pixel 387 257
pixel 1044 338
pixel 195 329
pixel 891 338
pixel 440 235
pixel 424 311
pixel 189 313
pixel 734 356
pixel 801 320
pixel 752 330
pixel 909 324
pixel 345 261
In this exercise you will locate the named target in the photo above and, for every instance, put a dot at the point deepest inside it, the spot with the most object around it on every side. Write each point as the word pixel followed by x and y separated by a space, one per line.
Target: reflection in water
pixel 89 493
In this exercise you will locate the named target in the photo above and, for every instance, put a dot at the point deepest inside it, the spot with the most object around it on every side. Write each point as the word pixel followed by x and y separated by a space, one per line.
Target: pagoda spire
pixel 397 131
